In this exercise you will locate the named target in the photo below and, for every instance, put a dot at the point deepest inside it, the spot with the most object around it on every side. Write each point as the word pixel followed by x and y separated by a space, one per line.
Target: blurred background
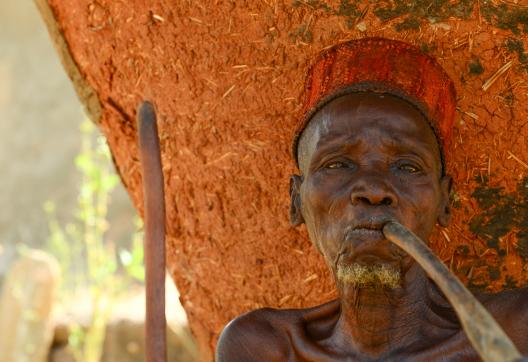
pixel 71 260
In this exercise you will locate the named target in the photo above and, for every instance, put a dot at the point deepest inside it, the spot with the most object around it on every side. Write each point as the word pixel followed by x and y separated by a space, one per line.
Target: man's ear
pixel 296 217
pixel 446 186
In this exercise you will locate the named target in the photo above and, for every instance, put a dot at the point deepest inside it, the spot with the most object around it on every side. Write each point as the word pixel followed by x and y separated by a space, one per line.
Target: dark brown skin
pixel 366 159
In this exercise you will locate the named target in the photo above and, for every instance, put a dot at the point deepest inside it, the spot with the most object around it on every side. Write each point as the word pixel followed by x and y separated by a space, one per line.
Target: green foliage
pixel 132 259
pixel 89 261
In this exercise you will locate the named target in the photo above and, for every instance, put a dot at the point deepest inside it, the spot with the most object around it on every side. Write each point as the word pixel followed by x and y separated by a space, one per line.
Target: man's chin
pixel 369 275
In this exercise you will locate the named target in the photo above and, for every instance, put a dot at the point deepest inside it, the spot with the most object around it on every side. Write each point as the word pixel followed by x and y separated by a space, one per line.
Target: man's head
pixel 367 157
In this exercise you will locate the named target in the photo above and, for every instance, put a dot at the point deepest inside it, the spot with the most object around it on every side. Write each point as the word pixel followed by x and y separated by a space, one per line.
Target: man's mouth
pixel 365 243
pixel 370 228
pixel 366 233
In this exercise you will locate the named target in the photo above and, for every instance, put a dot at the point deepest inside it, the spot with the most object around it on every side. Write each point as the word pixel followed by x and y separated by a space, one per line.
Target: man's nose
pixel 373 191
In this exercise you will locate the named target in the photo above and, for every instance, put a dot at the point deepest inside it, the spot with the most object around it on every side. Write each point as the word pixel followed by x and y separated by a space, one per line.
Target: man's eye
pixel 335 164
pixel 409 168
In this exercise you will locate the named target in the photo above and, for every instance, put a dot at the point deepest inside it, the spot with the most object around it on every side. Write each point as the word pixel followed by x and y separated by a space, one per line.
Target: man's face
pixel 366 159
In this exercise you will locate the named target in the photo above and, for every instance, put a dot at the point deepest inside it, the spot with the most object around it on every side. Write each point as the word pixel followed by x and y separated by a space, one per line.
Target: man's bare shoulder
pixel 510 308
pixel 256 336
pixel 507 302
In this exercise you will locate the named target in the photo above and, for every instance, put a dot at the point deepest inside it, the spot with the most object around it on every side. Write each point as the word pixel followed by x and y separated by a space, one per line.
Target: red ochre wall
pixel 227 78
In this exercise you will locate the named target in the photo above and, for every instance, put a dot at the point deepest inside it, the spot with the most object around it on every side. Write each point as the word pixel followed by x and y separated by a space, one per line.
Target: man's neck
pixel 375 322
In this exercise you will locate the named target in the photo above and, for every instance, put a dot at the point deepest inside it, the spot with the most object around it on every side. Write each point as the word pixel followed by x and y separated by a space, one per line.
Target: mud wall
pixel 227 76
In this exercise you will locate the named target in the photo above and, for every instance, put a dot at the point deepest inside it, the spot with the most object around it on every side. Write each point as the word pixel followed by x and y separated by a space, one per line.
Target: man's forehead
pixel 393 119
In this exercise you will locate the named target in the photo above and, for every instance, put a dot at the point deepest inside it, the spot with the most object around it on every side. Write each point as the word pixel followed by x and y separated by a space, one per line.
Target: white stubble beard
pixel 377 276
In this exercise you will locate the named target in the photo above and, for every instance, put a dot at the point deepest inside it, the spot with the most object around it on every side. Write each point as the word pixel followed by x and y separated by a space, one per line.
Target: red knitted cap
pixel 382 66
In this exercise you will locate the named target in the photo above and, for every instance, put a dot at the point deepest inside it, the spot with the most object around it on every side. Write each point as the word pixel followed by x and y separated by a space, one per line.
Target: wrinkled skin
pixel 366 159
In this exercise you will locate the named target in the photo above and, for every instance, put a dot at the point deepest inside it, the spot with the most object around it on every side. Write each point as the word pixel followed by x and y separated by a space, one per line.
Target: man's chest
pixel 456 348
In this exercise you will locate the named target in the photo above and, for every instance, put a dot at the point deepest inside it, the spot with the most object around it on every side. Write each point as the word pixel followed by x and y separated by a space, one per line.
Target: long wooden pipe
pixel 484 333
pixel 154 243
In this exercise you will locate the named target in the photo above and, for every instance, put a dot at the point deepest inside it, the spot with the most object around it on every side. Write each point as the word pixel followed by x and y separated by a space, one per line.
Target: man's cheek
pixel 318 195
pixel 414 217
pixel 420 219
pixel 327 235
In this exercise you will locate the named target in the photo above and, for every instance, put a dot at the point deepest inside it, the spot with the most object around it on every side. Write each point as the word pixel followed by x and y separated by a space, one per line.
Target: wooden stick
pixel 486 336
pixel 154 243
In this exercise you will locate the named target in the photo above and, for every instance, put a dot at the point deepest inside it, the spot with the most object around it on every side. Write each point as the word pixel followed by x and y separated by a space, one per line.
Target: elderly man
pixel 370 148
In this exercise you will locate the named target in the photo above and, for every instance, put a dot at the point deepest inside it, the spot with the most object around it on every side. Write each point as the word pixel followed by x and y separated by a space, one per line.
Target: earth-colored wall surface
pixel 227 79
